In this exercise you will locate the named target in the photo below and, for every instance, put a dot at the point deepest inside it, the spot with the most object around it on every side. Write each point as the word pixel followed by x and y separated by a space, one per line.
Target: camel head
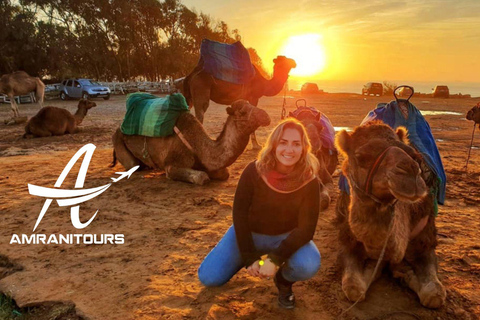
pixel 397 174
pixel 283 65
pixel 313 126
pixel 87 104
pixel 474 114
pixel 247 118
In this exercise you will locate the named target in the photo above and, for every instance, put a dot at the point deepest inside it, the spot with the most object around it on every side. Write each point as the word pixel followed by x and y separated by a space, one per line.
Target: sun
pixel 308 52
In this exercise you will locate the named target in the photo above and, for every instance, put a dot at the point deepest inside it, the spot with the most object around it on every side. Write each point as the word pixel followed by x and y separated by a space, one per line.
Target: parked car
pixel 372 88
pixel 83 88
pixel 441 92
pixel 309 88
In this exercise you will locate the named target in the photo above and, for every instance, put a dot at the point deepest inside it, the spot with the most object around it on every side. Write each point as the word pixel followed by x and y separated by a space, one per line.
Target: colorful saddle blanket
pixel 151 116
pixel 227 62
pixel 419 134
pixel 328 133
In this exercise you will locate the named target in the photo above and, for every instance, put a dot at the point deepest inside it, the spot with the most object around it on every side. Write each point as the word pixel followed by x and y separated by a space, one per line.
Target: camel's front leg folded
pixel 187 175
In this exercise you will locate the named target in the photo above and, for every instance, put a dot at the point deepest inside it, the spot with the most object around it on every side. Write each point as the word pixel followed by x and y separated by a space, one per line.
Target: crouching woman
pixel 275 213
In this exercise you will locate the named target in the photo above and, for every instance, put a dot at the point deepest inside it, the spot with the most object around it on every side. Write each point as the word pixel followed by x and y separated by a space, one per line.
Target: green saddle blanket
pixel 151 116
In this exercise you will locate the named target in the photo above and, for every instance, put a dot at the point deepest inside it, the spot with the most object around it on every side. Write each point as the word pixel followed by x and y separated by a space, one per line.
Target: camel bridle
pixel 367 190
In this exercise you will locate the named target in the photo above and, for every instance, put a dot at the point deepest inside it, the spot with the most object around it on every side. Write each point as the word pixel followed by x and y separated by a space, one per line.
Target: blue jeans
pixel 225 260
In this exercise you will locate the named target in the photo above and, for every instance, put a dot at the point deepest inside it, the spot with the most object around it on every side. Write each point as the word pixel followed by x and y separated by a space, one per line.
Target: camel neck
pixel 213 154
pixel 275 85
pixel 80 114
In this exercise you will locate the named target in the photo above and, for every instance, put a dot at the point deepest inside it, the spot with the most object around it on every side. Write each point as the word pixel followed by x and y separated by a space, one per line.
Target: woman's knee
pixel 210 278
pixel 307 264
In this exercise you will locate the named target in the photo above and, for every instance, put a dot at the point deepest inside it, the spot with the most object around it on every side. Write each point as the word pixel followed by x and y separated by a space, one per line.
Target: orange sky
pixel 435 40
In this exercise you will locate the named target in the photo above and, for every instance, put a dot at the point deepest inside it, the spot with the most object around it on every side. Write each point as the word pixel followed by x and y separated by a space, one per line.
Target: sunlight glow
pixel 308 52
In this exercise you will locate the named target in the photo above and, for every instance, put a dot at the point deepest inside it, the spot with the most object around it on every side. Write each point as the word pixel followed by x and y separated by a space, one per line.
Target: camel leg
pixel 324 196
pixel 39 131
pixel 14 106
pixel 370 268
pixel 122 154
pixel 354 284
pixel 40 92
pixel 255 145
pixel 421 276
pixel 186 174
pixel 221 174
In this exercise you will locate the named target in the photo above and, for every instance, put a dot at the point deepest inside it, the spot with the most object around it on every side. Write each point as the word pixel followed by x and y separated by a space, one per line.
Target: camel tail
pixel 114 160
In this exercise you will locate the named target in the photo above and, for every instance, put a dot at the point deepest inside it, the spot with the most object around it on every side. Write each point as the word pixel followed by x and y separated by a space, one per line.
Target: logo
pixel 72 198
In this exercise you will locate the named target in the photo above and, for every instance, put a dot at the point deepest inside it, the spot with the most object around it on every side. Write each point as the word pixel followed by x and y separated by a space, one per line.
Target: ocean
pixel 337 86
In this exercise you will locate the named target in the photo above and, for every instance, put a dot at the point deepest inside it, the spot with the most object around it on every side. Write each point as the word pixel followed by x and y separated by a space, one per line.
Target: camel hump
pixel 151 116
pixel 227 62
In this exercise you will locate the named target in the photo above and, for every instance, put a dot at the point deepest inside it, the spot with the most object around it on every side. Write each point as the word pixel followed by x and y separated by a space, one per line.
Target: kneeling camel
pixel 191 155
pixel 53 121
pixel 389 205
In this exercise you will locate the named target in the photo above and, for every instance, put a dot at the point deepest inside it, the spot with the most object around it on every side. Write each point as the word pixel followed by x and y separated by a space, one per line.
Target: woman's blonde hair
pixel 307 165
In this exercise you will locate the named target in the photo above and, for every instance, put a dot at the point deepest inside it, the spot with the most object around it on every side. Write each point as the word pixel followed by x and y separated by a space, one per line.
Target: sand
pixel 170 226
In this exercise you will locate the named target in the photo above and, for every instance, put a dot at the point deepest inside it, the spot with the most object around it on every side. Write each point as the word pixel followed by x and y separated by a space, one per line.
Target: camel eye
pixel 363 159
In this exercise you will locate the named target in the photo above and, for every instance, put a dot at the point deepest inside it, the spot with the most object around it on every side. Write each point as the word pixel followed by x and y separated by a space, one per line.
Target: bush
pixel 388 88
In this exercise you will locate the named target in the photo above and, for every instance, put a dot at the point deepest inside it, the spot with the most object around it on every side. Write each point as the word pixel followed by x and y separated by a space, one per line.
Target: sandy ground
pixel 170 226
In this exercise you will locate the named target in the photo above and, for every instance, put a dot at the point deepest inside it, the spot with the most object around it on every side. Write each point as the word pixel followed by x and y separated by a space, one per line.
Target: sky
pixel 429 40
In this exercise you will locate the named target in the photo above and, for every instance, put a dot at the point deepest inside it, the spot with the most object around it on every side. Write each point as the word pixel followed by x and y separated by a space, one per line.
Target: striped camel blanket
pixel 151 116
pixel 419 134
pixel 227 62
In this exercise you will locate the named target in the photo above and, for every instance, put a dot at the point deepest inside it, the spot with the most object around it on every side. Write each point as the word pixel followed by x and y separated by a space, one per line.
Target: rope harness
pixel 471 144
pixel 367 191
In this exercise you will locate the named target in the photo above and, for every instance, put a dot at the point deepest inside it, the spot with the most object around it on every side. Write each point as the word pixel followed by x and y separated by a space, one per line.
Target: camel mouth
pixel 407 188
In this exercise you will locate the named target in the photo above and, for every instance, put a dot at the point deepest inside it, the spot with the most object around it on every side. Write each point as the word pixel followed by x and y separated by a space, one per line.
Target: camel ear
pixel 343 141
pixel 230 111
pixel 402 134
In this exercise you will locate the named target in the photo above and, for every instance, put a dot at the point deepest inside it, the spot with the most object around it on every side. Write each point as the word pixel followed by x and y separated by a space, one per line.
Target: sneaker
pixel 286 298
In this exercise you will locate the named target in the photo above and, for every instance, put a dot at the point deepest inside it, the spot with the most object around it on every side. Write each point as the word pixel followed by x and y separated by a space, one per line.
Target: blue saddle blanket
pixel 227 62
pixel 419 134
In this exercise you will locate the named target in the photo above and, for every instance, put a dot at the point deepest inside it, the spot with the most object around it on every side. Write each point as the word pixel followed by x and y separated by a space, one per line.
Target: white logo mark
pixel 65 197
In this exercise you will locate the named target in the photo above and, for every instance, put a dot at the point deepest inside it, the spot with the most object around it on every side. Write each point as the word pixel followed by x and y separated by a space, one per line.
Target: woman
pixel 275 212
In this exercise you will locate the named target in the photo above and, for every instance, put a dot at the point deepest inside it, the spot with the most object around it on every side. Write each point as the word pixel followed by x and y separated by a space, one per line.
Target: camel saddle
pixel 151 116
pixel 407 115
pixel 327 135
pixel 227 62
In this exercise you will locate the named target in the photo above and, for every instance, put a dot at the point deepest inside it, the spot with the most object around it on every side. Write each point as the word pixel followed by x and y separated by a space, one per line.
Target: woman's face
pixel 289 150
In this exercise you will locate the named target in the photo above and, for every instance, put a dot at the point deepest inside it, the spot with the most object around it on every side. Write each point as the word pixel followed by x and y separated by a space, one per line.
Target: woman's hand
pixel 254 268
pixel 268 269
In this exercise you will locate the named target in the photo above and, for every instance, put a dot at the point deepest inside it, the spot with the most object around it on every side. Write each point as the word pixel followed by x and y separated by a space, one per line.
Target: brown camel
pixel 191 155
pixel 20 83
pixel 474 114
pixel 53 121
pixel 390 201
pixel 328 160
pixel 200 87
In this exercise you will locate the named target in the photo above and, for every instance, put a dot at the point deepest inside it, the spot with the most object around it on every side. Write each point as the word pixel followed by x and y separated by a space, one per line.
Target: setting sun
pixel 308 52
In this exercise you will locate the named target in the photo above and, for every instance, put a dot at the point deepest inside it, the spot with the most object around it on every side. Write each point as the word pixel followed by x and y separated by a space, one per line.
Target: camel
pixel 53 121
pixel 191 155
pixel 390 205
pixel 200 87
pixel 474 114
pixel 20 83
pixel 328 159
